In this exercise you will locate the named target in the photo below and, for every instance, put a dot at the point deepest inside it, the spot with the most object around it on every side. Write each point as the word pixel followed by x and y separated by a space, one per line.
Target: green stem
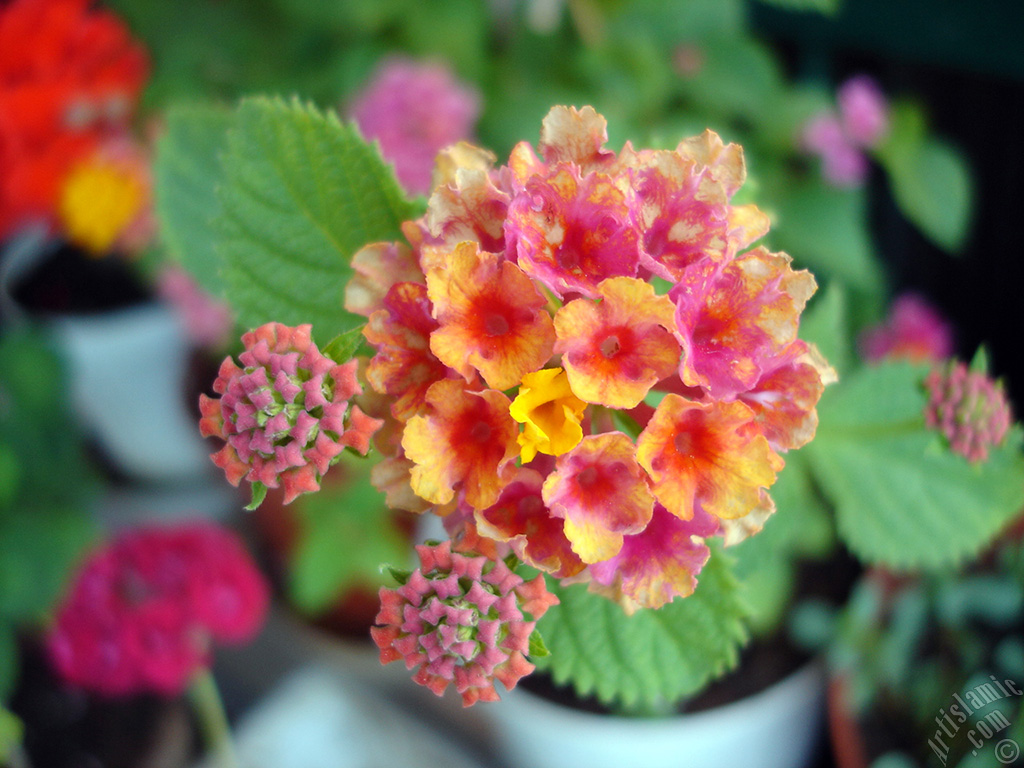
pixel 213 721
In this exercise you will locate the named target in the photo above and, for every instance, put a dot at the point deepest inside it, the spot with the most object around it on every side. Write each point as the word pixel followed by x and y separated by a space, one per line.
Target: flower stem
pixel 213 721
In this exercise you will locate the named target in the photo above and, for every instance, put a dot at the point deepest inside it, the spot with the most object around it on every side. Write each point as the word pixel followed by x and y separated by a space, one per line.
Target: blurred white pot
pixel 777 728
pixel 127 370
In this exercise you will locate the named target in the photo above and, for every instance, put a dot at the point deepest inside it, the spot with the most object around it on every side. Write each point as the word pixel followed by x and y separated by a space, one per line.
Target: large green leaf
pixel 301 194
pixel 932 187
pixel 8 667
pixel 824 229
pixel 800 528
pixel 653 657
pixel 187 175
pixel 40 548
pixel 825 325
pixel 930 180
pixel 902 498
pixel 11 731
pixel 346 533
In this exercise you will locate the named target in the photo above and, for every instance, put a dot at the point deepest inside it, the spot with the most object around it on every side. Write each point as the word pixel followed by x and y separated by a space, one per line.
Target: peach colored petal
pixel 616 349
pixel 521 518
pixel 708 453
pixel 376 268
pixel 404 367
pixel 570 135
pixel 725 161
pixel 491 318
pixel 735 321
pixel 784 398
pixel 600 491
pixel 466 441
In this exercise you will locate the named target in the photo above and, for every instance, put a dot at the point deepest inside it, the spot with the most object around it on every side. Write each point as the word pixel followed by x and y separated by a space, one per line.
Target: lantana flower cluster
pixel 144 610
pixel 284 414
pixel 459 620
pixel 583 361
pixel 70 76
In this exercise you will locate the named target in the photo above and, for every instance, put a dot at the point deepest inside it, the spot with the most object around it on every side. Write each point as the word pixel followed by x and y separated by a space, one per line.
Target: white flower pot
pixel 777 728
pixel 127 372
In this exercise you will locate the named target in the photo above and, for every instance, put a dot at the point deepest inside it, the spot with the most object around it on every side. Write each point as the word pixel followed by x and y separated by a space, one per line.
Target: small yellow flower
pixel 99 201
pixel 551 413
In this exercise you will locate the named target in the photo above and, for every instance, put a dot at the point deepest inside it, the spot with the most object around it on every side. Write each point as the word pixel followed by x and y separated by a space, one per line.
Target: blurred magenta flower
pixel 840 139
pixel 144 610
pixel 415 109
pixel 864 110
pixel 914 330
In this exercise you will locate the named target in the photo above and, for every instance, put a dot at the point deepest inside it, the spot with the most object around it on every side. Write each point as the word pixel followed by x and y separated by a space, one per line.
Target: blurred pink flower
pixel 839 139
pixel 842 163
pixel 208 322
pixel 415 109
pixel 914 330
pixel 864 110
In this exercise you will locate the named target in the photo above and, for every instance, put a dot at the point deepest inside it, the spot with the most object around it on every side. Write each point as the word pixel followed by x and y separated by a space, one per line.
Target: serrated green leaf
pixel 301 194
pixel 346 532
pixel 343 346
pixel 932 187
pixel 800 528
pixel 653 657
pixel 188 171
pixel 902 498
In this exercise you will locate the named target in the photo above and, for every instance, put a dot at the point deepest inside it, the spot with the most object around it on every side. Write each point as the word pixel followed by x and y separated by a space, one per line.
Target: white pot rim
pixel 793 684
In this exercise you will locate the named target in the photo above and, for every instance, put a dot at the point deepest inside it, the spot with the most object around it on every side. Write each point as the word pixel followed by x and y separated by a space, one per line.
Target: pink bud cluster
pixel 459 620
pixel 415 109
pixel 145 608
pixel 840 139
pixel 968 408
pixel 285 414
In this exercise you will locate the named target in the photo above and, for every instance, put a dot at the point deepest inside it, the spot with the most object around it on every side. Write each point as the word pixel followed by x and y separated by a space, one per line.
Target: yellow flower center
pixel 98 202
